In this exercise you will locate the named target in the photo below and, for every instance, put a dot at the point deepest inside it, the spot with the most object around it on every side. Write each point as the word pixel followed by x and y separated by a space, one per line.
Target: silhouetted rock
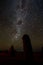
pixel 27 47
pixel 12 51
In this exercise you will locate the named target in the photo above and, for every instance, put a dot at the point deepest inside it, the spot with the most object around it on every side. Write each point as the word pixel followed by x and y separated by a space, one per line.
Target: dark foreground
pixel 19 58
pixel 12 61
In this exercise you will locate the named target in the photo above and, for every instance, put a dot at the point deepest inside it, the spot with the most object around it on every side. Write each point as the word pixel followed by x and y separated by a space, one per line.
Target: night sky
pixel 18 17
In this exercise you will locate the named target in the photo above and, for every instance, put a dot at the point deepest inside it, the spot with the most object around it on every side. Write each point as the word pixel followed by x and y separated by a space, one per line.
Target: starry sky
pixel 19 17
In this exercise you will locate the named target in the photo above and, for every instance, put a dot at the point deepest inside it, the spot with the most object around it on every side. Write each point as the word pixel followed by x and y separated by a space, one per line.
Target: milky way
pixel 18 17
